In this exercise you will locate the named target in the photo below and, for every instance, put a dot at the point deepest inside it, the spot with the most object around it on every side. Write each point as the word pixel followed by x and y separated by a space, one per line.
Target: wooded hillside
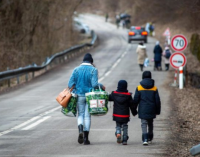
pixel 31 30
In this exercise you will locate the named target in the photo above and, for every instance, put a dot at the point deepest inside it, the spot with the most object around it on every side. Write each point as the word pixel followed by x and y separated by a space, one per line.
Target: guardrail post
pixel 26 77
pixel 8 79
pixel 18 80
pixel 8 82
pixel 33 73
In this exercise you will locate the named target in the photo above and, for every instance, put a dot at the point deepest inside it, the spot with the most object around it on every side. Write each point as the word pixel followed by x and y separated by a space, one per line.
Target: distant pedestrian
pixel 142 55
pixel 83 78
pixel 157 56
pixel 117 21
pixel 166 55
pixel 127 22
pixel 123 102
pixel 147 27
pixel 151 29
pixel 107 16
pixel 147 97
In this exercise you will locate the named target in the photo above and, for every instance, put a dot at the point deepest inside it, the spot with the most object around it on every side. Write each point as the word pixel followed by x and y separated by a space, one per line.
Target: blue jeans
pixel 84 116
pixel 147 123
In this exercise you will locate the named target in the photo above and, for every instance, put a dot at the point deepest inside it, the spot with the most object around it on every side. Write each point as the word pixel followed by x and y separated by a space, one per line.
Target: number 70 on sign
pixel 179 42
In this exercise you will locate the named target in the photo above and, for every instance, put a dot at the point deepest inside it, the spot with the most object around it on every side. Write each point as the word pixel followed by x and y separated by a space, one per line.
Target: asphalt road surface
pixel 31 123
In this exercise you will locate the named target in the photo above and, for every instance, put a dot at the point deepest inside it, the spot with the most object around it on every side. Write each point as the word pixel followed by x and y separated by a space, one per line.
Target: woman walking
pixel 83 78
pixel 157 56
pixel 142 55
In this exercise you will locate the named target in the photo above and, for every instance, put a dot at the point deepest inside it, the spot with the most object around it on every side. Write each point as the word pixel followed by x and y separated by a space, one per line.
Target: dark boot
pixel 141 67
pixel 86 141
pixel 145 139
pixel 80 137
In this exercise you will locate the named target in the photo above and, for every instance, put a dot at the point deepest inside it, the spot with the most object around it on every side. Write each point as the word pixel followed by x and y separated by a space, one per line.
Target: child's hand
pixel 134 114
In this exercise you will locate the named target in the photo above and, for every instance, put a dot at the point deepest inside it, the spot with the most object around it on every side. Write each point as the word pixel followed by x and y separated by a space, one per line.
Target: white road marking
pixel 106 74
pixel 36 123
pixel 101 79
pixel 19 126
pixel 114 65
pixel 28 121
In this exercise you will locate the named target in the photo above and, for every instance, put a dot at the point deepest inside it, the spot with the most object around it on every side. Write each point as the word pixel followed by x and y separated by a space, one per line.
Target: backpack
pixel 167 54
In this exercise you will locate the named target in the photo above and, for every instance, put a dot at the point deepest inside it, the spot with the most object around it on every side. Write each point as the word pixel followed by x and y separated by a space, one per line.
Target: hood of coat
pixel 142 46
pixel 120 97
pixel 147 83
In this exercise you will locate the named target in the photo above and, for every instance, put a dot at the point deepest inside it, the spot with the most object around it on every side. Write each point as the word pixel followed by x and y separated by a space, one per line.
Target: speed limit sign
pixel 179 42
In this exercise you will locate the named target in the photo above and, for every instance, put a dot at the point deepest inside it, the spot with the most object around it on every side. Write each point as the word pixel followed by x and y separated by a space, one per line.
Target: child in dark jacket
pixel 123 102
pixel 147 96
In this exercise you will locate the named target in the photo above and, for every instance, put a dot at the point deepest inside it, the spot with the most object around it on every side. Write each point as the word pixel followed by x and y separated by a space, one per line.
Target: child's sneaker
pixel 145 139
pixel 149 142
pixel 125 139
pixel 145 143
pixel 150 138
pixel 119 139
pixel 124 142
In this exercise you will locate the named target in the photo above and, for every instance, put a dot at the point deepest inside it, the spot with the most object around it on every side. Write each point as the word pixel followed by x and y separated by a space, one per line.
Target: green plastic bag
pixel 71 109
pixel 97 101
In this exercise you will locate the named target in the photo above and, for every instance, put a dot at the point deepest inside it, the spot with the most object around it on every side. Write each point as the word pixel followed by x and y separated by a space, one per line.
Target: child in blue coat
pixel 148 101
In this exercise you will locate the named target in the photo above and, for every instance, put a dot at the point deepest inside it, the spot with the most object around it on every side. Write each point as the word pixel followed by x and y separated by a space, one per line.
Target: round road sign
pixel 179 42
pixel 177 60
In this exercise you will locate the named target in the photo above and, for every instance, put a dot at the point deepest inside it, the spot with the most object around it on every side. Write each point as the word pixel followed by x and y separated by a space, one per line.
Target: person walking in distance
pixel 123 102
pixel 157 56
pixel 106 16
pixel 142 55
pixel 148 101
pixel 83 78
pixel 166 55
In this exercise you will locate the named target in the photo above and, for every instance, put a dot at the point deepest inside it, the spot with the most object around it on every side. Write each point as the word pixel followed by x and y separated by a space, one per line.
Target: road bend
pixel 31 123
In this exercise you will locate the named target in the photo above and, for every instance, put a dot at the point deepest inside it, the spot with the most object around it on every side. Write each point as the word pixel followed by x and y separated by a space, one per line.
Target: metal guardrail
pixel 16 73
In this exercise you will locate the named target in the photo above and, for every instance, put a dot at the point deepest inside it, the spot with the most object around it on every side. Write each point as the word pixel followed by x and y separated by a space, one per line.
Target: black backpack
pixel 167 54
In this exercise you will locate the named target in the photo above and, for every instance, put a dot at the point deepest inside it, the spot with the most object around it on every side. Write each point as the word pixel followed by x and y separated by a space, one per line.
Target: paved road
pixel 31 123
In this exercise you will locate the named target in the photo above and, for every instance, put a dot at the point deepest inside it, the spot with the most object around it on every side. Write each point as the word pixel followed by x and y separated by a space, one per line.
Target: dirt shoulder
pixel 185 120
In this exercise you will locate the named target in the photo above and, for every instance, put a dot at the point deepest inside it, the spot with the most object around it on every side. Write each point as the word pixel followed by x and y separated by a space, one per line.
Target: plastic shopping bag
pixel 97 101
pixel 146 62
pixel 71 108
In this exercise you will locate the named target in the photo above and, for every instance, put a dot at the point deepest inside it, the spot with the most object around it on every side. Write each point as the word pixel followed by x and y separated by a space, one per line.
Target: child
pixel 167 53
pixel 147 96
pixel 121 112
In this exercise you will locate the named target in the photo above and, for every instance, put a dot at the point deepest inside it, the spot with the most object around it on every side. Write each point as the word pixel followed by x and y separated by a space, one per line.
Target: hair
pixel 141 43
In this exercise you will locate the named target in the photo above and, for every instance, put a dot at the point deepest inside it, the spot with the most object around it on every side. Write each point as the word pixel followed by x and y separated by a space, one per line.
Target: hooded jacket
pixel 147 97
pixel 141 52
pixel 157 53
pixel 123 102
